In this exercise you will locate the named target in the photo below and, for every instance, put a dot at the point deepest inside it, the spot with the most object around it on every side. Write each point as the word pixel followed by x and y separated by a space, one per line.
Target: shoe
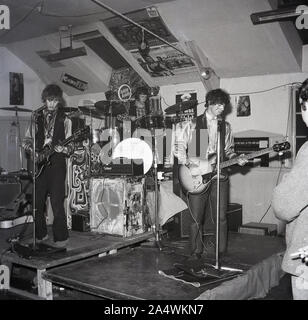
pixel 61 244
pixel 43 239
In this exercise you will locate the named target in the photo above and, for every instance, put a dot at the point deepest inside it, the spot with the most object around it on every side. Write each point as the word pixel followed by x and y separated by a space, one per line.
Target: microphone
pixel 39 109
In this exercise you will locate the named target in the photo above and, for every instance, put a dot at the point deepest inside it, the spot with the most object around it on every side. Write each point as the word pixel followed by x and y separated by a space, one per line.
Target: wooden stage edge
pixel 81 246
pixel 105 244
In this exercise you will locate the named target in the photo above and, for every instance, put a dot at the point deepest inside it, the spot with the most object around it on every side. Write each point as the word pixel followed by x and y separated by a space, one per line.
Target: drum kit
pixel 111 114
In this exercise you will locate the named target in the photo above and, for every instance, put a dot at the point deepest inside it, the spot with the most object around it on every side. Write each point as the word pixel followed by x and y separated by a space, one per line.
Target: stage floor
pixel 81 246
pixel 133 273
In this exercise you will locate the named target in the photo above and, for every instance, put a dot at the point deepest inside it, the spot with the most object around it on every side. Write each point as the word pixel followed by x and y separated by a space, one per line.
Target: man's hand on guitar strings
pixel 242 160
pixel 61 149
pixel 302 253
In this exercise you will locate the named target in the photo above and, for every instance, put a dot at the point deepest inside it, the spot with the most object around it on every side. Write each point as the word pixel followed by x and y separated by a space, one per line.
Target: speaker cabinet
pixel 8 192
pixel 179 225
pixel 118 206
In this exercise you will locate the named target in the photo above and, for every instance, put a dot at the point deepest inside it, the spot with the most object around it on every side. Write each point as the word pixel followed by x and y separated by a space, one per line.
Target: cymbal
pixel 69 109
pixel 117 109
pixel 16 109
pixel 110 108
pixel 86 111
pixel 181 106
pixel 102 106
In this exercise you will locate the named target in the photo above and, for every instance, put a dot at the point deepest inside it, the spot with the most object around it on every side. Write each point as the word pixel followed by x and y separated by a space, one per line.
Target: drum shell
pixel 150 122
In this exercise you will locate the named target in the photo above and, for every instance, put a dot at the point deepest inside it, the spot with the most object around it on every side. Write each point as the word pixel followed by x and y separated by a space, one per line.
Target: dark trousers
pixel 52 182
pixel 203 210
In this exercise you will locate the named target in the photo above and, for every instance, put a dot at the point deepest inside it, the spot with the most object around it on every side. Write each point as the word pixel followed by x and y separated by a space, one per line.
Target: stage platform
pixel 137 273
pixel 82 245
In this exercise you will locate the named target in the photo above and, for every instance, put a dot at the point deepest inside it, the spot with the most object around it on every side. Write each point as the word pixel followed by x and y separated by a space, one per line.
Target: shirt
pixel 199 139
pixel 49 120
pixel 212 137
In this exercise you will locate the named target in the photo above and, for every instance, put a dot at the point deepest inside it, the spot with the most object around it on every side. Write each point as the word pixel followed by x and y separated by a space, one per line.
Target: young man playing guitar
pixel 203 205
pixel 52 126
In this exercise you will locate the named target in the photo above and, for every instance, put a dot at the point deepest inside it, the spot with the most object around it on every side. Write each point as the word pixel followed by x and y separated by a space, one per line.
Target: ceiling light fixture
pixel 276 15
pixel 67 52
pixel 206 72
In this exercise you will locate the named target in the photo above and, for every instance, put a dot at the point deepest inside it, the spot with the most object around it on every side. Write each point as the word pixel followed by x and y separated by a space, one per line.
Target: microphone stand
pixel 157 240
pixel 220 271
pixel 33 123
pixel 19 141
pixel 156 228
pixel 26 250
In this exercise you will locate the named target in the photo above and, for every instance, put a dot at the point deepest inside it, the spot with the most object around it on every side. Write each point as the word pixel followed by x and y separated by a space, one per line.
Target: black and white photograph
pixel 154 150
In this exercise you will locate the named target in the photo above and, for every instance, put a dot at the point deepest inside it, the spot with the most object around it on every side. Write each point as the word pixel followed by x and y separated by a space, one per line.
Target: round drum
pixel 134 148
pixel 170 120
pixel 151 121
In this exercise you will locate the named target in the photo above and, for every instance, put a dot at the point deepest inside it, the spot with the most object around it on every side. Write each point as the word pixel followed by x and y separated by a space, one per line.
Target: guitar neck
pixel 248 156
pixel 50 152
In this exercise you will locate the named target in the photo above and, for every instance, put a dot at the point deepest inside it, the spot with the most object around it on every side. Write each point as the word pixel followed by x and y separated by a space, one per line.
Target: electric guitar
pixel 43 157
pixel 195 184
pixel 301 253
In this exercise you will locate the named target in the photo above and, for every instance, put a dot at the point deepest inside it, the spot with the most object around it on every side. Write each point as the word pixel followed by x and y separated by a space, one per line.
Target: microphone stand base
pixel 221 272
pixel 29 251
pixel 153 243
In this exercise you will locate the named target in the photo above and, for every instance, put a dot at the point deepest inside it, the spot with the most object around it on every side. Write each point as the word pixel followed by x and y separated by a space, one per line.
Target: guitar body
pixel 195 184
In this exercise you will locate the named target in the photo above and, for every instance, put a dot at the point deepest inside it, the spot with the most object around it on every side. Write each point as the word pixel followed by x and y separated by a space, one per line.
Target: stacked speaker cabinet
pixel 118 206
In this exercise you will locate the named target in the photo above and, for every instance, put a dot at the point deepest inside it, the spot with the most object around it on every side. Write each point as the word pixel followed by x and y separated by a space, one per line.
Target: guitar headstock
pixel 283 146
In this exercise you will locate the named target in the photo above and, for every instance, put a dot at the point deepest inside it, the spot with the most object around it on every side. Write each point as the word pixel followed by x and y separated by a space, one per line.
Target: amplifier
pixel 179 225
pixel 262 229
pixel 81 221
pixel 9 191
pixel 133 168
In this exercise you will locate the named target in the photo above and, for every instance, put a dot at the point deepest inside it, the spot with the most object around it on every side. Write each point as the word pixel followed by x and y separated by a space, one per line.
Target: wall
pixel 269 109
pixel 9 143
pixel 269 113
pixel 32 83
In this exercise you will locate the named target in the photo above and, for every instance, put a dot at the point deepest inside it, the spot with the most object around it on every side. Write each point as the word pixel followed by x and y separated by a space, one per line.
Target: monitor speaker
pixel 179 225
pixel 8 192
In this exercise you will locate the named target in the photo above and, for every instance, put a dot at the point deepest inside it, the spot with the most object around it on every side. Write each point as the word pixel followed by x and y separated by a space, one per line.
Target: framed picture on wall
pixel 243 106
pixel 16 88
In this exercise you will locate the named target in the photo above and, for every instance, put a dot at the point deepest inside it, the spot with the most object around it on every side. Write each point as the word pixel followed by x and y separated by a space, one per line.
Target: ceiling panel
pixel 34 18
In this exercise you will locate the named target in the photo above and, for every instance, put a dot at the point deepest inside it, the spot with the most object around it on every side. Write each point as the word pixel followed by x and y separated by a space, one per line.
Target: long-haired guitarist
pixel 203 205
pixel 51 127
